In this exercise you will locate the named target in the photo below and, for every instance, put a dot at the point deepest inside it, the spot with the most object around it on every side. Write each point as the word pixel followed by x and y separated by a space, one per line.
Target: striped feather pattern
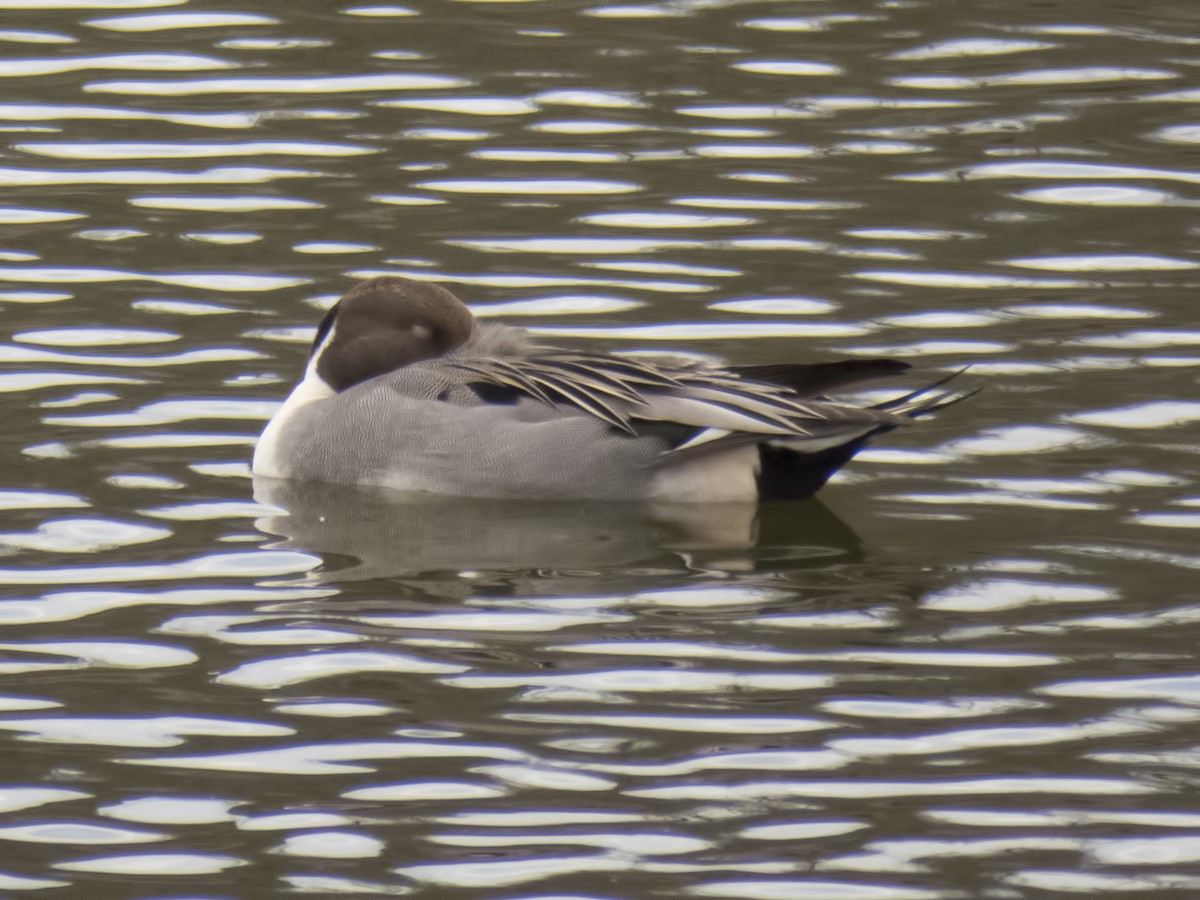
pixel 621 390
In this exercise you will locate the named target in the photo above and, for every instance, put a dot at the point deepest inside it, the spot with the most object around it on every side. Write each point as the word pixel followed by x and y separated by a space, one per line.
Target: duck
pixel 404 389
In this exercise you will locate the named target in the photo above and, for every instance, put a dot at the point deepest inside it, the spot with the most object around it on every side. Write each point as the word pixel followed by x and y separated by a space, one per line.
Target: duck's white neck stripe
pixel 311 387
pixel 315 357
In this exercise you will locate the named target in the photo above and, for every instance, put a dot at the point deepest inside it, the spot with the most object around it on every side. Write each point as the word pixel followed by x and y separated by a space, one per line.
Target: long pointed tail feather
pixel 789 471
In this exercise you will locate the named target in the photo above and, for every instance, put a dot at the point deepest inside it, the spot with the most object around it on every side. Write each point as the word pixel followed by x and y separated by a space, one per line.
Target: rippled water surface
pixel 971 671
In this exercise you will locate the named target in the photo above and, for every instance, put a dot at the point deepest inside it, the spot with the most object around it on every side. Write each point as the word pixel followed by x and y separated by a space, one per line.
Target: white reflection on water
pixel 1075 311
pixel 1056 169
pixel 1180 688
pixel 479 106
pixel 171 810
pixel 1169 520
pixel 682 722
pixel 960 47
pixel 141 62
pixel 563 304
pixel 215 281
pixel 102 654
pixel 169 411
pixel 35 37
pixel 955 708
pixel 981 738
pixel 1092 883
pixel 17 216
pixel 866 788
pixel 967 280
pixel 335 709
pixel 800 831
pixel 94 337
pixel 1081 75
pixel 78 536
pixel 495 620
pixel 524 186
pixel 167 21
pixel 13 799
pixel 31 381
pixel 1012 439
pixel 331 845
pixel 331 84
pixel 1103 195
pixel 641 680
pixel 209 203
pixel 87 4
pixel 754 151
pixel 1103 263
pixel 323 247
pixel 1143 339
pixel 421 791
pixel 544 281
pixel 328 758
pixel 1157 414
pixel 700 331
pixel 161 864
pixel 637 843
pixel 577 245
pixel 189 150
pixel 10 499
pixel 215 565
pixel 51 112
pixel 233 630
pixel 810 889
pixel 664 220
pixel 985 596
pixel 787 67
pixel 504 873
pixel 218 175
pixel 165 731
pixel 771 760
pixel 276 673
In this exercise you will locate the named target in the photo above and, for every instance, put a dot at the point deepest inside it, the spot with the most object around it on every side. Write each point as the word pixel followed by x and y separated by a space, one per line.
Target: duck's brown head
pixel 384 324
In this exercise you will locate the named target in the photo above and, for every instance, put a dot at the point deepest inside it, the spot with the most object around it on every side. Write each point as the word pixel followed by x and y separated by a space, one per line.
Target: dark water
pixel 969 672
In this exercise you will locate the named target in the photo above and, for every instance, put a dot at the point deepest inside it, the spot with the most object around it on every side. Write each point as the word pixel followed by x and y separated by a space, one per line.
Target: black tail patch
pixel 786 474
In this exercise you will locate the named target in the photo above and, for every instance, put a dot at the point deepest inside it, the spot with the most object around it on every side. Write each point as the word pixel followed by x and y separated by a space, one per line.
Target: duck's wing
pixel 713 402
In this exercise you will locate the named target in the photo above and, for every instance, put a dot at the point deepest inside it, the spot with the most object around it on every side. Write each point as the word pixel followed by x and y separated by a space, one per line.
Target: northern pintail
pixel 405 389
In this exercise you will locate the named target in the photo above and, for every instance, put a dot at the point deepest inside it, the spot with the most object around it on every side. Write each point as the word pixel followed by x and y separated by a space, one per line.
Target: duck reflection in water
pixel 363 534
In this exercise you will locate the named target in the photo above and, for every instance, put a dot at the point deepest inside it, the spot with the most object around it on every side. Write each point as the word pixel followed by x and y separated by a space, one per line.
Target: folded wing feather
pixel 722 405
